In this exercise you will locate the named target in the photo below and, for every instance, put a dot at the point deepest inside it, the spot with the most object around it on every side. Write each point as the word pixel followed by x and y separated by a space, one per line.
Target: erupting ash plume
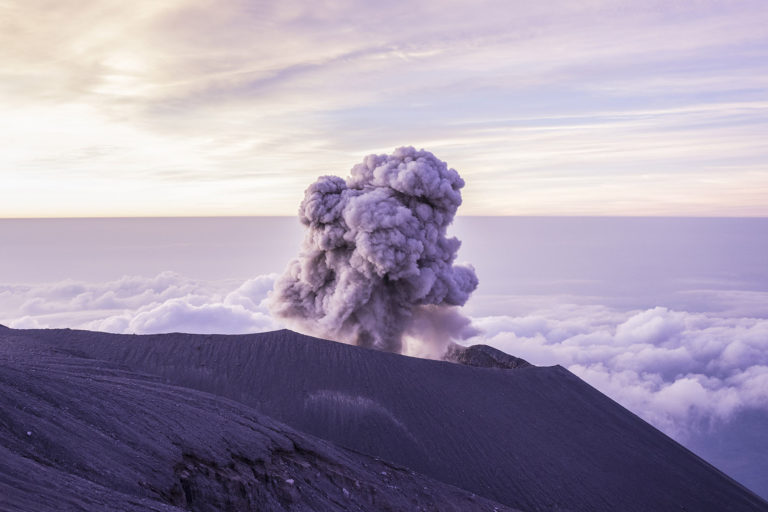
pixel 376 267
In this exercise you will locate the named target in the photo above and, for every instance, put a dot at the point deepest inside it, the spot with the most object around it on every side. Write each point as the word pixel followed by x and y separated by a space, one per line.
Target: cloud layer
pixel 683 372
pixel 676 369
pixel 167 302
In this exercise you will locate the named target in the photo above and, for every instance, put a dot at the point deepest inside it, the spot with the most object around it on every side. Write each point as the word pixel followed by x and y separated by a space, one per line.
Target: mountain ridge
pixel 533 438
pixel 83 434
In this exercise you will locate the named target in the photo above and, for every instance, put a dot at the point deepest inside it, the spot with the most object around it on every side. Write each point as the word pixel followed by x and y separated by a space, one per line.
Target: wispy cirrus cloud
pixel 165 102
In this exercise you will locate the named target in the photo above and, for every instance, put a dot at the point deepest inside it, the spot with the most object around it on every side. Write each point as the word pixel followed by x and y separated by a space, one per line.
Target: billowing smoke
pixel 376 267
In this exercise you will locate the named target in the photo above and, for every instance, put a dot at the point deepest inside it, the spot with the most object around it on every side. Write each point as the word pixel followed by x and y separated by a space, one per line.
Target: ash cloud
pixel 376 263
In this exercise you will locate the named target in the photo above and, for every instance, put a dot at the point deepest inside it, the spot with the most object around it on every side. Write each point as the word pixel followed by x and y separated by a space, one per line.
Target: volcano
pixel 283 421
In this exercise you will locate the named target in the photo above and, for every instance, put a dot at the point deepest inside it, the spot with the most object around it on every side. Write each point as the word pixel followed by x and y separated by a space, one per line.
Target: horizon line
pixel 576 216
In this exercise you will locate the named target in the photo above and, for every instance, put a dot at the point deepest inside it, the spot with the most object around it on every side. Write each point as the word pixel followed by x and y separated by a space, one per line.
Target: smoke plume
pixel 376 266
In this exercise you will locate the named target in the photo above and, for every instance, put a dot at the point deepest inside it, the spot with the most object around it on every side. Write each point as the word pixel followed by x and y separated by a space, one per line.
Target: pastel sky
pixel 201 107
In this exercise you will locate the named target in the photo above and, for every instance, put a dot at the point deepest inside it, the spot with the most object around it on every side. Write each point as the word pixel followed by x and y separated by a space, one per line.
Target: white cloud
pixel 134 304
pixel 179 315
pixel 678 370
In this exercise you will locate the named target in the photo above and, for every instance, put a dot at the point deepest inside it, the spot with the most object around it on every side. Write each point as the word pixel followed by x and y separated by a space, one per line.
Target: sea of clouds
pixel 680 371
pixel 168 302
pixel 684 372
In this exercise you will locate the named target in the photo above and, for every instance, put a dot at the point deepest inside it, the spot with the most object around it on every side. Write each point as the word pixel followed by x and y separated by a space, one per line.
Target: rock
pixel 485 357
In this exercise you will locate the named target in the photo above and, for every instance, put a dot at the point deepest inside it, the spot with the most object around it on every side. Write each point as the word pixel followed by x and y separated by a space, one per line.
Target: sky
pixel 204 108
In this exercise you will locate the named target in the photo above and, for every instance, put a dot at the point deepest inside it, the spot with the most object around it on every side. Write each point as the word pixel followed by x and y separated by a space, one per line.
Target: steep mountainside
pixel 538 439
pixel 83 434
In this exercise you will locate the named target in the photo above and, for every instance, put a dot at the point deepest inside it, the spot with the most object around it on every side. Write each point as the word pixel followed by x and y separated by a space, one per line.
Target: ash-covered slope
pixel 533 438
pixel 83 434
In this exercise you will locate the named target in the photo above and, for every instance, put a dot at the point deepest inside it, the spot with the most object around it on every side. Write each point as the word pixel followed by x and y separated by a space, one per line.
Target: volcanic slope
pixel 82 434
pixel 535 438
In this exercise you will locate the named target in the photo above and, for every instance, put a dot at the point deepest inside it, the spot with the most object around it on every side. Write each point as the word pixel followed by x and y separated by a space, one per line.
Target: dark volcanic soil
pixel 537 439
pixel 82 434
